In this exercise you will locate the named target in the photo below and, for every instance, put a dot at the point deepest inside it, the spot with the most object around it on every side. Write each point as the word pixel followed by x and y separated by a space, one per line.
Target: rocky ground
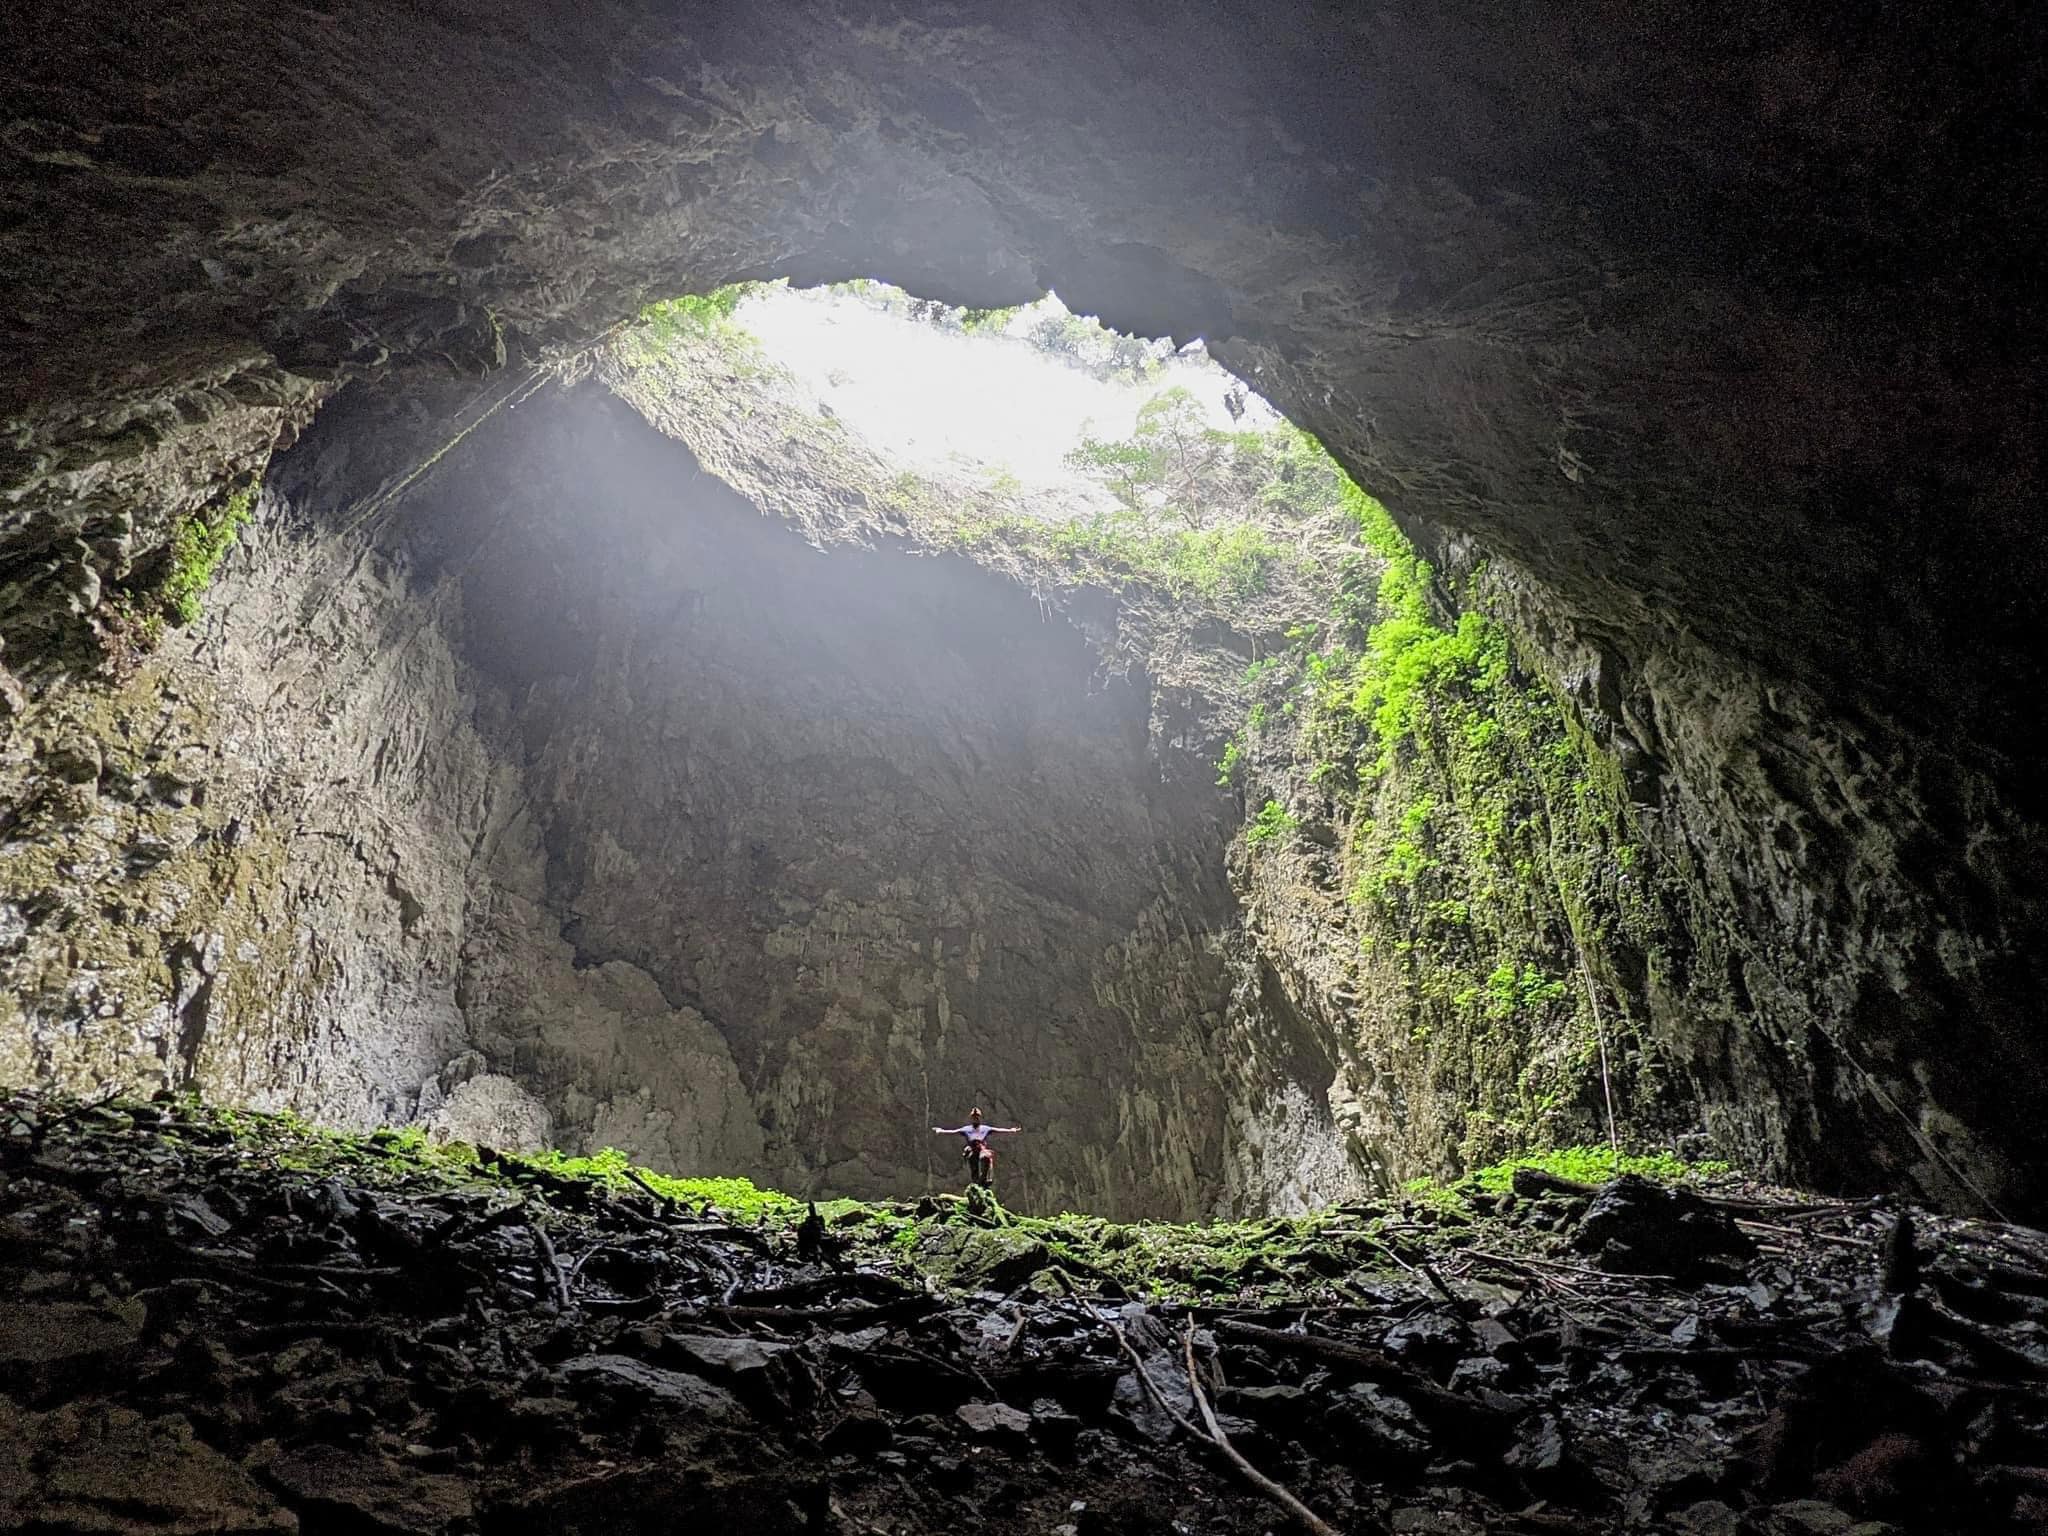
pixel 223 1322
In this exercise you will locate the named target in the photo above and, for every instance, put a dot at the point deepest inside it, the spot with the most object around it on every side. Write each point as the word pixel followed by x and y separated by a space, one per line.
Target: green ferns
pixel 197 549
pixel 1273 820
pixel 1487 852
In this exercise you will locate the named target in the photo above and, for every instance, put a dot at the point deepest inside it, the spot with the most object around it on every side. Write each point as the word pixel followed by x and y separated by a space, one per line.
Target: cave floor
pixel 222 1322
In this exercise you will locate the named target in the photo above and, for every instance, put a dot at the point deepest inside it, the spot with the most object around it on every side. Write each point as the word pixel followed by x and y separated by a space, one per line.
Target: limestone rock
pixel 492 1110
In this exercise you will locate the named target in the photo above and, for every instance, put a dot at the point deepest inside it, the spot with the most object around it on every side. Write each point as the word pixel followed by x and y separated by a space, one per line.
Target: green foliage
pixel 695 312
pixel 997 320
pixel 1509 990
pixel 1273 820
pixel 1085 343
pixel 197 549
pixel 1215 564
pixel 1595 1165
pixel 1176 466
pixel 1487 851
pixel 1230 764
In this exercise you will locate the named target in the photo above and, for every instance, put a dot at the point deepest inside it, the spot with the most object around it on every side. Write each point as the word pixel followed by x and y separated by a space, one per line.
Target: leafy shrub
pixel 1272 820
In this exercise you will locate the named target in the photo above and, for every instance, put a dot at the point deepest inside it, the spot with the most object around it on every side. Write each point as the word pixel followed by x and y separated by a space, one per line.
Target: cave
pixel 416 719
pixel 1672 347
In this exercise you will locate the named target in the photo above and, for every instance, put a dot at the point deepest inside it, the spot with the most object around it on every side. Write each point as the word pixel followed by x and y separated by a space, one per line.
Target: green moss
pixel 1489 853
pixel 700 312
pixel 1595 1165
pixel 945 1241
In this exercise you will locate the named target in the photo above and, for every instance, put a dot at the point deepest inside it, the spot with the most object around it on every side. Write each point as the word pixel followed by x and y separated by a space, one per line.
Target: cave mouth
pixel 694 752
pixel 811 713
pixel 879 836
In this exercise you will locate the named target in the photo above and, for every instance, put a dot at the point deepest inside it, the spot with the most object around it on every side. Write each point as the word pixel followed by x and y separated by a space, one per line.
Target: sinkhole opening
pixel 813 713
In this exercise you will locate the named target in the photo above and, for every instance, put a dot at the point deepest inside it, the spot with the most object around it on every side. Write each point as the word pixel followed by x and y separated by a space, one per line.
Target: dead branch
pixel 1258 1479
pixel 546 1250
pixel 1250 1473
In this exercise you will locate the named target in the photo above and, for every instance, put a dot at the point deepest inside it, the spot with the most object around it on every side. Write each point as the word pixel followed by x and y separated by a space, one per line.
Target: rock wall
pixel 868 816
pixel 572 799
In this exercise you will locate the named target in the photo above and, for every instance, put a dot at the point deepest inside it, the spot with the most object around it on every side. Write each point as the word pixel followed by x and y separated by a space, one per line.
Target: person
pixel 978 1154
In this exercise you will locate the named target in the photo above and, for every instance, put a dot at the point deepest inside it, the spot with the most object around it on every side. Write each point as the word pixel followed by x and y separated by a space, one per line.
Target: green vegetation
pixel 946 1240
pixel 670 330
pixel 1595 1165
pixel 1216 564
pixel 697 313
pixel 1177 467
pixel 197 549
pixel 994 320
pixel 1507 924
pixel 1486 847
pixel 1202 513
pixel 1273 820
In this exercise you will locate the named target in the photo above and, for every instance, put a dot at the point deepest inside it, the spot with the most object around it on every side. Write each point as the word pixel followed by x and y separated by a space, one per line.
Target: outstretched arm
pixel 1007 1130
pixel 949 1130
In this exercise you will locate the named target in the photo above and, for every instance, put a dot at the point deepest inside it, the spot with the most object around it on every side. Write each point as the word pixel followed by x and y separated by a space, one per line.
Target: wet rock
pixel 1636 1227
pixel 859 1434
pixel 1053 1427
pixel 1388 1424
pixel 1810 1517
pixel 1480 1372
pixel 634 1385
pixel 1431 1339
pixel 1539 1445
pixel 757 1370
pixel 101 1470
pixel 993 1419
pixel 369 1493
pixel 725 1357
pixel 656 1500
pixel 48 1332
pixel 1131 1401
pixel 1709 1517
pixel 1276 1404
pixel 48 1347
pixel 1415 1520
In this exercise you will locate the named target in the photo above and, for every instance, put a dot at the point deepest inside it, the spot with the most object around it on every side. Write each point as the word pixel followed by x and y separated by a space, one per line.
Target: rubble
pixel 220 1323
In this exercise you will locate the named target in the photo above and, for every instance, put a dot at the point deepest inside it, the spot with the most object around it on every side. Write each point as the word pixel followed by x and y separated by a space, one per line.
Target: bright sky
pixel 945 403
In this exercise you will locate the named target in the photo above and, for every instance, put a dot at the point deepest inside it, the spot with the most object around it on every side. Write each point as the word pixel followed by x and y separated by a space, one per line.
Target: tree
pixel 1175 464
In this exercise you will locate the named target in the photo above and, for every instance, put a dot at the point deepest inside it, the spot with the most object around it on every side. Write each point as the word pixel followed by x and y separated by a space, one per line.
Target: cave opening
pixel 442 695
pixel 564 795
pixel 1120 766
